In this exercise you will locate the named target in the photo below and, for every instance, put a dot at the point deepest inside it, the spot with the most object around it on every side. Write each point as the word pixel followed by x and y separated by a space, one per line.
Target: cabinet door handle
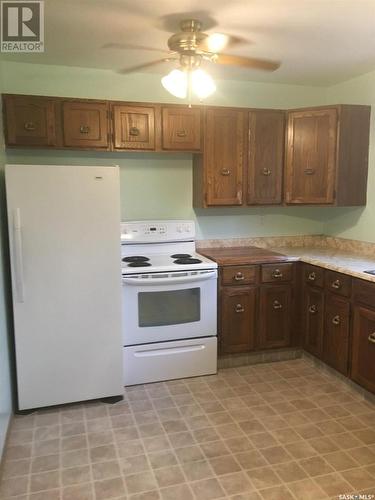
pixel 29 126
pixel 313 309
pixel 277 274
pixel 336 284
pixel 336 320
pixel 84 129
pixel 134 131
pixel 181 133
pixel 309 171
pixel 277 305
pixel 312 276
pixel 239 308
pixel 239 277
pixel 225 172
pixel 371 338
pixel 266 172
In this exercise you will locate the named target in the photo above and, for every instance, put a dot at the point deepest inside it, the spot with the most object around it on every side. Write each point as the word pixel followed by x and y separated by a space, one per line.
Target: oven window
pixel 169 307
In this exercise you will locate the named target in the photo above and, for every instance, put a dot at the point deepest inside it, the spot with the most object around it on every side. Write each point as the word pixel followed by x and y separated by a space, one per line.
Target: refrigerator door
pixel 66 278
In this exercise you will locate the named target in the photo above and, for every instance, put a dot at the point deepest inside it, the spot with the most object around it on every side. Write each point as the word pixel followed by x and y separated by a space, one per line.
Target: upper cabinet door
pixel 30 121
pixel 311 156
pixel 134 127
pixel 181 128
pixel 266 157
pixel 85 124
pixel 224 156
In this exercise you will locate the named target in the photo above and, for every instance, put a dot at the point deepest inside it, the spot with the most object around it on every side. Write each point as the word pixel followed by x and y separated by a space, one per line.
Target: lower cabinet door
pixel 274 316
pixel 313 320
pixel 237 325
pixel 336 332
pixel 363 347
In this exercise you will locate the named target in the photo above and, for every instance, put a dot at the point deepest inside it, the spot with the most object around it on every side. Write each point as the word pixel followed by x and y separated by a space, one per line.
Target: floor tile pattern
pixel 276 431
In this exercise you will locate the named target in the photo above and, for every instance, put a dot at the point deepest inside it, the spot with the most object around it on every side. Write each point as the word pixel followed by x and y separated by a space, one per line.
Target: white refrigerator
pixel 64 236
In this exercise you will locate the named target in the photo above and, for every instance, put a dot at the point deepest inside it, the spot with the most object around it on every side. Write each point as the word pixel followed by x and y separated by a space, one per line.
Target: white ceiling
pixel 319 42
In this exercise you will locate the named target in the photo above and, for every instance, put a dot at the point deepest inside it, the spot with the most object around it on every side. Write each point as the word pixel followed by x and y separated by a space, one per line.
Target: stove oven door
pixel 172 306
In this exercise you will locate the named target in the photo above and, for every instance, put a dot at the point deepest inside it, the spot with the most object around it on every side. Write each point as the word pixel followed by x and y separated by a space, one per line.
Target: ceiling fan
pixel 190 47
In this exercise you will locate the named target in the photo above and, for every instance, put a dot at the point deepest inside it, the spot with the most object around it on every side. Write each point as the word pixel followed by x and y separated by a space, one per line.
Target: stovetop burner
pixel 181 256
pixel 187 261
pixel 141 263
pixel 135 258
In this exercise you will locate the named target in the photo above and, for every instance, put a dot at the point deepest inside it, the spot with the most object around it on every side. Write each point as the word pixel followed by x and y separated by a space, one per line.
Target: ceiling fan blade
pixel 124 71
pixel 131 46
pixel 216 42
pixel 246 62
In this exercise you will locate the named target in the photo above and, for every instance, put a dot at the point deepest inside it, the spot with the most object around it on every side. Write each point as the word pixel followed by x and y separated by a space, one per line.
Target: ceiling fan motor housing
pixel 188 39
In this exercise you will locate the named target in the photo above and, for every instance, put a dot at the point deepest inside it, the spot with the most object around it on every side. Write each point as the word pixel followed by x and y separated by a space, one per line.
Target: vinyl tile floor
pixel 277 431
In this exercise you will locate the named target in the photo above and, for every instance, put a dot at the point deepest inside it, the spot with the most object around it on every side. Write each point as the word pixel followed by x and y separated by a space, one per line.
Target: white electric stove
pixel 169 303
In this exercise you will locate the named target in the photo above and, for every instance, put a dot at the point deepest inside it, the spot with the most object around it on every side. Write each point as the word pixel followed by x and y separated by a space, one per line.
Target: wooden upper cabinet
pixel 363 347
pixel 311 156
pixel 223 157
pixel 266 157
pixel 133 127
pixel 30 121
pixel 181 128
pixel 85 124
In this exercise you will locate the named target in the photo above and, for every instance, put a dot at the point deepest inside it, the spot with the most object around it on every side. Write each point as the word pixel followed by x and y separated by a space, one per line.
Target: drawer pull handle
pixel 313 309
pixel 239 308
pixel 309 171
pixel 371 338
pixel 84 129
pixel 266 172
pixel 29 126
pixel 312 276
pixel 336 284
pixel 225 172
pixel 277 274
pixel 134 131
pixel 336 320
pixel 277 305
pixel 181 133
pixel 239 277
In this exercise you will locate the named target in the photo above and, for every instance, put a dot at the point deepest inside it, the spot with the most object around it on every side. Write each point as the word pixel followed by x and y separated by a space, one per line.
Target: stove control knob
pixel 179 229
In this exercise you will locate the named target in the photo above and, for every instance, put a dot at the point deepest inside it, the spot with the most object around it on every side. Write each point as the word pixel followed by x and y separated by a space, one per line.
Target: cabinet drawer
pixel 272 273
pixel 364 292
pixel 313 275
pixel 239 275
pixel 338 283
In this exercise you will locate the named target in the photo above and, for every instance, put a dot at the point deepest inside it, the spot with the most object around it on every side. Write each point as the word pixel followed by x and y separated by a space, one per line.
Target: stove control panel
pixel 157 231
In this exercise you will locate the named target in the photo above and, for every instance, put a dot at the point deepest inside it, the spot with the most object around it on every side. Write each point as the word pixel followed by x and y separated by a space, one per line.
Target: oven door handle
pixel 175 280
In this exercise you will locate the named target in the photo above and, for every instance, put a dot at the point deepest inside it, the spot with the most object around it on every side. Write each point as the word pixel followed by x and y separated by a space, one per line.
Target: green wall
pixel 356 223
pixel 160 185
pixel 5 385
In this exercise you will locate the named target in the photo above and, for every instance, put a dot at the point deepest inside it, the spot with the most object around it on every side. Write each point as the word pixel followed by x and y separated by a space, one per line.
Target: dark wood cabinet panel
pixel 313 275
pixel 133 127
pixel 181 128
pixel 311 156
pixel 274 316
pixel 364 292
pixel 30 121
pixel 266 157
pixel 313 319
pixel 237 322
pixel 273 273
pixel 363 347
pixel 85 124
pixel 224 156
pixel 338 283
pixel 336 332
pixel 239 275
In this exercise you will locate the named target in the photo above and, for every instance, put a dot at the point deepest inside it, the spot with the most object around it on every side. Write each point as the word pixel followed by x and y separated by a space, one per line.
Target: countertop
pixel 344 262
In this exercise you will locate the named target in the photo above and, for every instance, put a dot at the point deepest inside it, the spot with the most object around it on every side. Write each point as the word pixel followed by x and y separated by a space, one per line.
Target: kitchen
pixel 159 186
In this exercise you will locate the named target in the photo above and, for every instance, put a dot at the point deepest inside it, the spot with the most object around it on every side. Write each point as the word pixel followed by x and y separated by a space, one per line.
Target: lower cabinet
pixel 336 332
pixel 274 325
pixel 363 347
pixel 313 320
pixel 238 312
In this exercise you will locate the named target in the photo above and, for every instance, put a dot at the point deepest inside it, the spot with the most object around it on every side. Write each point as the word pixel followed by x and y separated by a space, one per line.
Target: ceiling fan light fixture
pixel 176 83
pixel 202 84
pixel 216 42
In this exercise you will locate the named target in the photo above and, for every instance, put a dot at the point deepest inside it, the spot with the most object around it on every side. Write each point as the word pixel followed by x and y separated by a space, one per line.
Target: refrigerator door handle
pixel 18 260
